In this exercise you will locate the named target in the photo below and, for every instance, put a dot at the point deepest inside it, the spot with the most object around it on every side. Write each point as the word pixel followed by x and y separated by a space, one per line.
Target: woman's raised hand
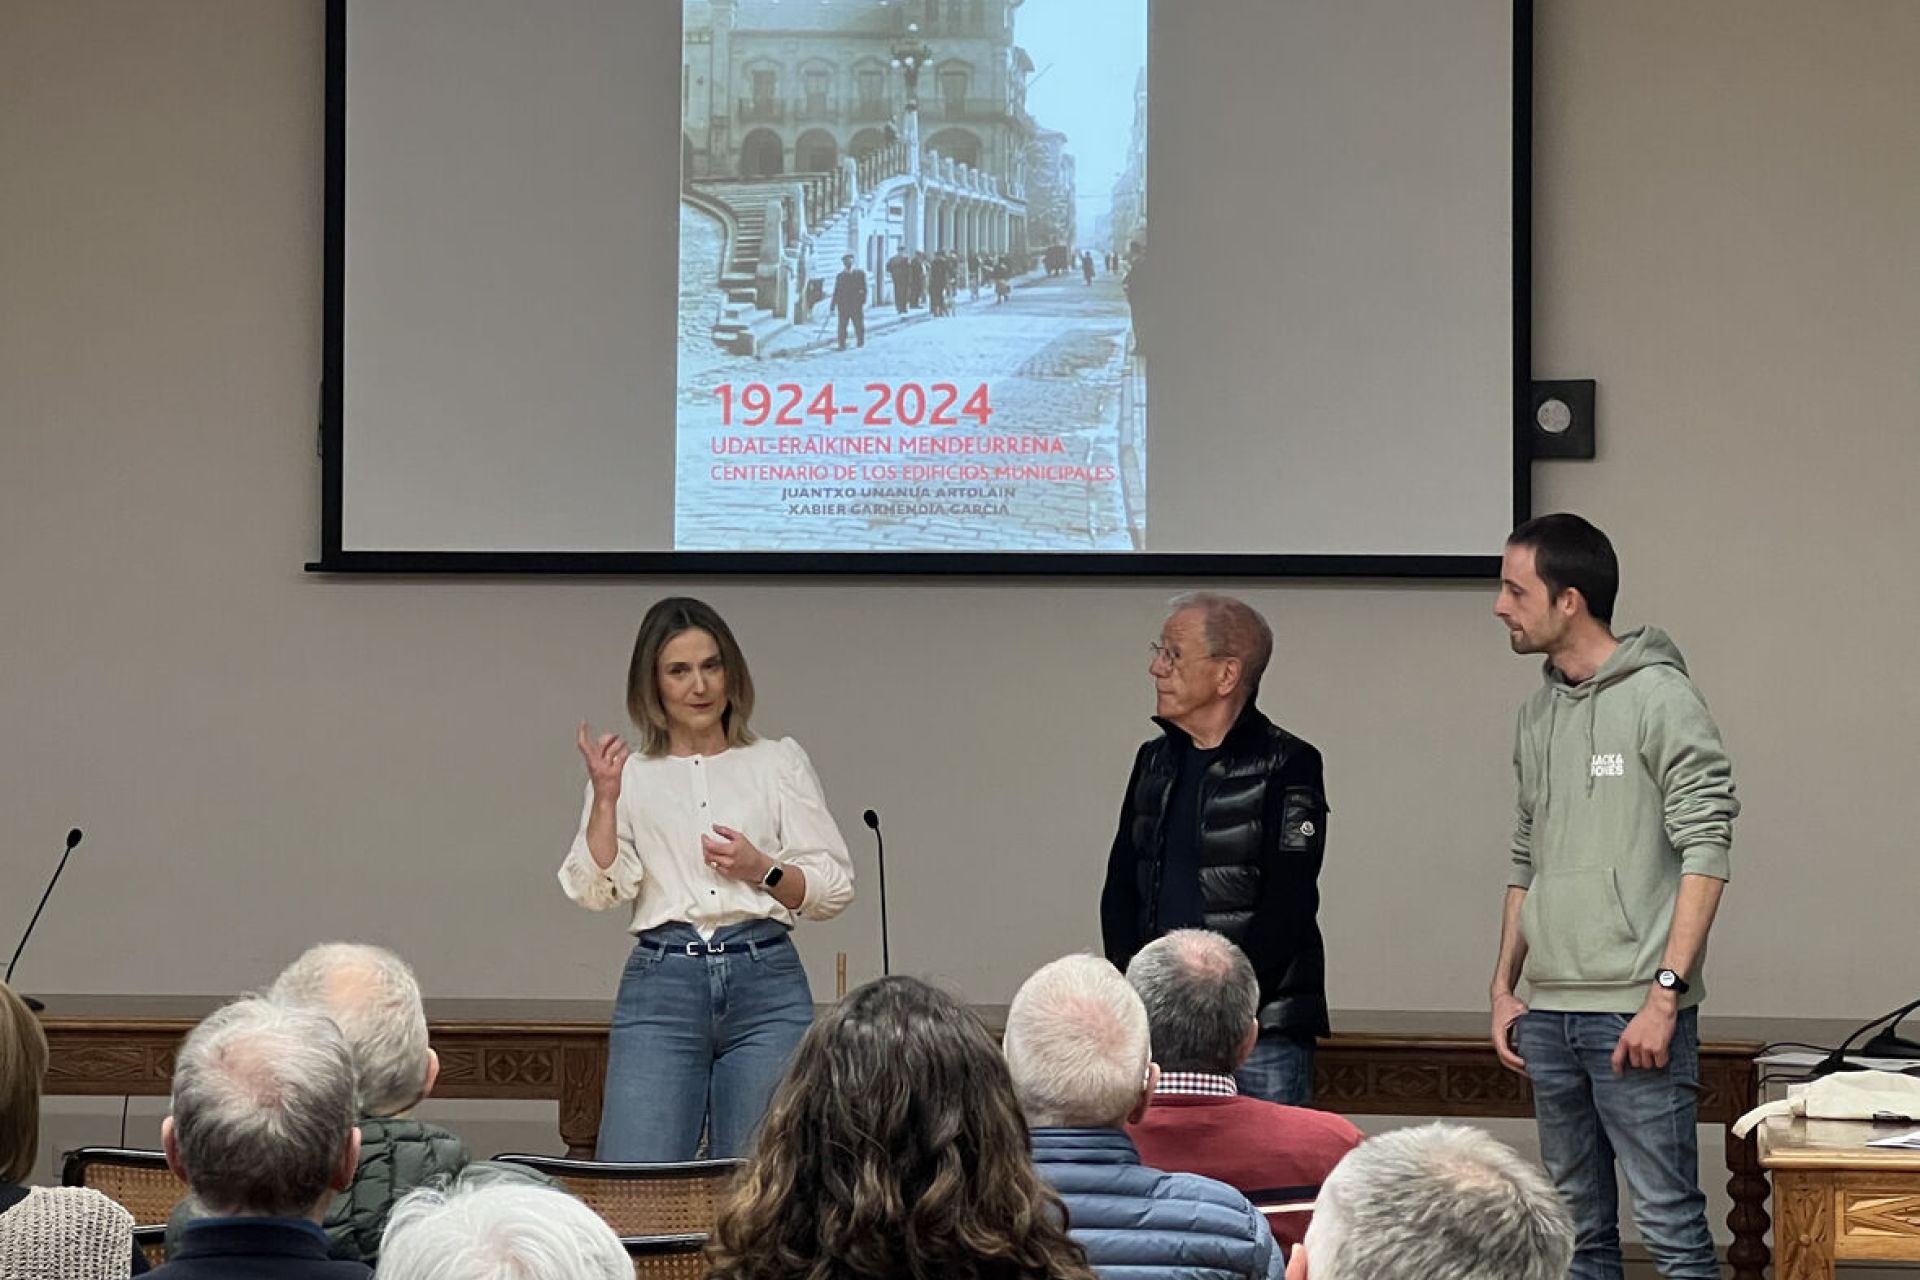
pixel 606 756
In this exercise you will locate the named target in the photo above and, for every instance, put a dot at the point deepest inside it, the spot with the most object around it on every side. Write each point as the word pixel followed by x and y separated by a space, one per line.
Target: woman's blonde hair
pixel 23 1066
pixel 663 622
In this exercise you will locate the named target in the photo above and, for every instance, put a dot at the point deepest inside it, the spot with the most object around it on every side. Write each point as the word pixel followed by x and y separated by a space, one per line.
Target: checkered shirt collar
pixel 1203 1082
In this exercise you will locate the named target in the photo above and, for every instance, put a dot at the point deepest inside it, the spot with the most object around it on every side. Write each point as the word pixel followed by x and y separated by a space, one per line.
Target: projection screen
pixel 985 286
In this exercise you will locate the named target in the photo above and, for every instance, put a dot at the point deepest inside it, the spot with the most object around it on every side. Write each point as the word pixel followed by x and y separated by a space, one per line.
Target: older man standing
pixel 1200 995
pixel 1077 1049
pixel 1224 827
pixel 262 1129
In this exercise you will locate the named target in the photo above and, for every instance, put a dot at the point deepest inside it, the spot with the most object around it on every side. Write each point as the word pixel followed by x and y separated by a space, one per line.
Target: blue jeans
pixel 1280 1069
pixel 1645 1119
pixel 700 1040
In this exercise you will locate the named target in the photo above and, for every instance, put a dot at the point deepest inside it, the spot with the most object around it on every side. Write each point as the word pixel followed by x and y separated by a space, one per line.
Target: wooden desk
pixel 522 1049
pixel 1839 1199
pixel 1379 1063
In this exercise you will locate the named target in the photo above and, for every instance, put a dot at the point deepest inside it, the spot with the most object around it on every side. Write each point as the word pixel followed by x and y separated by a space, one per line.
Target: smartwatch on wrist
pixel 776 871
pixel 1668 980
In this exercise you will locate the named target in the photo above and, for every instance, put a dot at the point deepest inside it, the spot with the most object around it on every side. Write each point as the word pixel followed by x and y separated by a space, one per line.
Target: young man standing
pixel 1625 816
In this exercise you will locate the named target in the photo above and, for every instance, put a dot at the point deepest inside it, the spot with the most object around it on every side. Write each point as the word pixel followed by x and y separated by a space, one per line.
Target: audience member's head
pixel 22 1073
pixel 1438 1202
pixel 71 1232
pixel 894 1147
pixel 499 1231
pixel 1077 1046
pixel 263 1111
pixel 1201 997
pixel 372 996
pixel 23 1066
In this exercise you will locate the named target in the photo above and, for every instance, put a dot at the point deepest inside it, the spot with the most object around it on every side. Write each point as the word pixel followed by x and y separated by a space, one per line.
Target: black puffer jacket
pixel 1263 833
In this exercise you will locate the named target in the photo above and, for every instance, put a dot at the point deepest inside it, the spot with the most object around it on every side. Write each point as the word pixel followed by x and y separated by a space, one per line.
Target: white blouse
pixel 767 790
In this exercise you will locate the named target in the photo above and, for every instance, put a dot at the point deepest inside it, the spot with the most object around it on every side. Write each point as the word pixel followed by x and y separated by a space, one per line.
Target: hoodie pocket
pixel 1577 929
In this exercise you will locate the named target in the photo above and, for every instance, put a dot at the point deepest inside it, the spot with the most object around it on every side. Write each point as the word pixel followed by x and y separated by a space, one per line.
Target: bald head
pixel 371 993
pixel 262 1114
pixel 1201 997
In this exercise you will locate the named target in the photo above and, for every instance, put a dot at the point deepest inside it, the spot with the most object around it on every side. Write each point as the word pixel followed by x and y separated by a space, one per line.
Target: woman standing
pixel 719 840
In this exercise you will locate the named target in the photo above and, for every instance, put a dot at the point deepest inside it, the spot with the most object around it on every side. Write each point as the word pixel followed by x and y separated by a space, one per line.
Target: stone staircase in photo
pixel 829 203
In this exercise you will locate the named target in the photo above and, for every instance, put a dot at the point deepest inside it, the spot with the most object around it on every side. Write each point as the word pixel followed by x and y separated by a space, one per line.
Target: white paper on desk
pixel 1908 1141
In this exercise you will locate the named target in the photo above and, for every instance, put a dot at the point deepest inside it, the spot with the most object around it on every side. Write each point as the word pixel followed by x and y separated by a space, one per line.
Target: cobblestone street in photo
pixel 1055 362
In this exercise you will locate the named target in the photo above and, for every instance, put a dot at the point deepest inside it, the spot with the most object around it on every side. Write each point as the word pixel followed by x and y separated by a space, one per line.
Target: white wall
pixel 1727 236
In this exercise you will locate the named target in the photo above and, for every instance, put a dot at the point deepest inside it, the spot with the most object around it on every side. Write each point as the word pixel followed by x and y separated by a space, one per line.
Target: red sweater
pixel 1270 1153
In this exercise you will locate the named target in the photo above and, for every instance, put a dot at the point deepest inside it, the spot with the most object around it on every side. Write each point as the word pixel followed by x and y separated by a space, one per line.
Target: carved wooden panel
pixel 498 1067
pixel 110 1067
pixel 525 1066
pixel 459 1066
pixel 1337 1082
pixel 583 1070
pixel 1879 1218
pixel 1408 1084
pixel 1803 1240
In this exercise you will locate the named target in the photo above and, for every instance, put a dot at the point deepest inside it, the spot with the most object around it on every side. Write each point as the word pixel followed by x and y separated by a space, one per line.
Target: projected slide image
pixel 909 233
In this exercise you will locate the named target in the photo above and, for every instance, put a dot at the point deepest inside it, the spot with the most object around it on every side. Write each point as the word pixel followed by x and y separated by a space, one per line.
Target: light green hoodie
pixel 1624 788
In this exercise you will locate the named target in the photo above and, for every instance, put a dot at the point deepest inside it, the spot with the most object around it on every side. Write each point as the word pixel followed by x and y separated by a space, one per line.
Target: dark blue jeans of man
pixel 700 1040
pixel 1280 1069
pixel 1644 1120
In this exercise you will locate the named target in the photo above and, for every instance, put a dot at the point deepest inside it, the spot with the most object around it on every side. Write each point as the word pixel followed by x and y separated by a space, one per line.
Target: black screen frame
pixel 334 558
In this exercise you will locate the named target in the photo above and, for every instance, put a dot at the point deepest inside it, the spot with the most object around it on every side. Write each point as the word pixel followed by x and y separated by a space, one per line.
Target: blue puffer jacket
pixel 1138 1223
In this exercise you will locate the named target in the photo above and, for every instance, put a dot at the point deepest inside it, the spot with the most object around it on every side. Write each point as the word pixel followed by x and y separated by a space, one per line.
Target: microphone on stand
pixel 1885 1045
pixel 1890 1043
pixel 73 838
pixel 872 820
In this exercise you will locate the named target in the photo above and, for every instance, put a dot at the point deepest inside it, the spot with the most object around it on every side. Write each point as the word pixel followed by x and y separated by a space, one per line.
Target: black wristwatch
pixel 775 871
pixel 1668 980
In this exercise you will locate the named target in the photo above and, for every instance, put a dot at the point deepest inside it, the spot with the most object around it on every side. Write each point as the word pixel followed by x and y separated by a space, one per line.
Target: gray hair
pixel 499 1231
pixel 1077 1045
pixel 371 993
pixel 1233 629
pixel 1201 996
pixel 1438 1202
pixel 262 1108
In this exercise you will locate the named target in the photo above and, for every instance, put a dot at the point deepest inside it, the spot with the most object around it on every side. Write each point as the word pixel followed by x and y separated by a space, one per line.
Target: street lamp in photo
pixel 911 54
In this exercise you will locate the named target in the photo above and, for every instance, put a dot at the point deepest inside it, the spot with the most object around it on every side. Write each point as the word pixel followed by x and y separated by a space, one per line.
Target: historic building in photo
pixel 1129 211
pixel 790 86
pixel 817 128
pixel 1050 193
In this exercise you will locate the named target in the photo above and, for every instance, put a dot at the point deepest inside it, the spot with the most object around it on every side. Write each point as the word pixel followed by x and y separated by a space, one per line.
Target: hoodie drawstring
pixel 1591 698
pixel 1546 765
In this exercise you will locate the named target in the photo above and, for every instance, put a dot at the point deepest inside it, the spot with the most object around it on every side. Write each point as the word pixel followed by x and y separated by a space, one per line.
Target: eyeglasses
pixel 1171 656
